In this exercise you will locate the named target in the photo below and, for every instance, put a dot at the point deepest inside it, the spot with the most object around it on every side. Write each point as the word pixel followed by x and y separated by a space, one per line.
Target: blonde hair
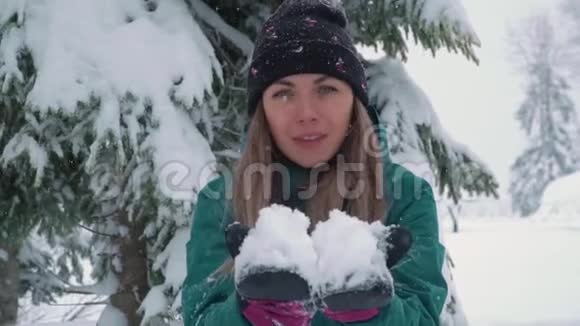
pixel 250 194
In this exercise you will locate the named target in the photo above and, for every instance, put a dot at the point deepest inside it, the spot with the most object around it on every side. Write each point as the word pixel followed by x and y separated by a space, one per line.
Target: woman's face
pixel 308 116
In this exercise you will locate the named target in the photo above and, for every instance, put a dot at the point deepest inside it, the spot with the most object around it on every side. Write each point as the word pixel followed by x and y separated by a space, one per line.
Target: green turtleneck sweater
pixel 298 179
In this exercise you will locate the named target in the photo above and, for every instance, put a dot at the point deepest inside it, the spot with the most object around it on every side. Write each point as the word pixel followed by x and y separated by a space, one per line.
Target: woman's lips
pixel 309 140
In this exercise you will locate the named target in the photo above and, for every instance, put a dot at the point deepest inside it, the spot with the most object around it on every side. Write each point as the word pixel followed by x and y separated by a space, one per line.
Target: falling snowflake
pixel 254 71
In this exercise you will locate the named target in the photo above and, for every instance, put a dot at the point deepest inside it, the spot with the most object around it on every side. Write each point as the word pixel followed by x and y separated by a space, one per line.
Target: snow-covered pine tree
pixel 570 20
pixel 15 224
pixel 35 187
pixel 126 87
pixel 547 116
pixel 230 26
pixel 417 138
pixel 571 8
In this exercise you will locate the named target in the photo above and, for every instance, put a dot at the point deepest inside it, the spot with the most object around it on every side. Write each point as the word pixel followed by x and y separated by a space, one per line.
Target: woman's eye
pixel 283 94
pixel 325 89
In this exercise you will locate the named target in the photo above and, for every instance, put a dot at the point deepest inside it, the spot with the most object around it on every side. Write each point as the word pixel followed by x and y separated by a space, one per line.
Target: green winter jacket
pixel 420 288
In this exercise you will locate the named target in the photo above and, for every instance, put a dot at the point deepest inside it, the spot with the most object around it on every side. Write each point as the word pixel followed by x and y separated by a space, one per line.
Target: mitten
pixel 353 265
pixel 272 263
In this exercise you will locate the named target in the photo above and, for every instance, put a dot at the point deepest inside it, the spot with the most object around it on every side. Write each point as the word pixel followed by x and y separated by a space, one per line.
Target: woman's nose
pixel 306 111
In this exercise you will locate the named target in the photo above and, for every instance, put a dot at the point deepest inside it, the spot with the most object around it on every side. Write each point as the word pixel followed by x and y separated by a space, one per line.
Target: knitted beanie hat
pixel 305 36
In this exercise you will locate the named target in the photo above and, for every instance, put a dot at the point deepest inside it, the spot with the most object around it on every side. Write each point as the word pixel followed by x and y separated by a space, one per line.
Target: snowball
pixel 348 254
pixel 279 240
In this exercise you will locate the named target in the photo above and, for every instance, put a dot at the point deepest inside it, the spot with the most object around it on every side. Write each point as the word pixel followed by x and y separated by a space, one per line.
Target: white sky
pixel 476 104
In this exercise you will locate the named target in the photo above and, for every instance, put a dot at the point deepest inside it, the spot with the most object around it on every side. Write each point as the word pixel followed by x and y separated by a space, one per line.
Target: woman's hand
pixel 270 296
pixel 266 283
pixel 354 265
pixel 274 294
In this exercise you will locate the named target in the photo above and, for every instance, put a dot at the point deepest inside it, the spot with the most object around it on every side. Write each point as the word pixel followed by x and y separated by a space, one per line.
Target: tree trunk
pixel 133 284
pixel 9 281
pixel 454 219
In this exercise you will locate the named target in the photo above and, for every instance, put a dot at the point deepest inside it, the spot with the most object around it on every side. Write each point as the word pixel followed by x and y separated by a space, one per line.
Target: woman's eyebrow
pixel 284 82
pixel 320 79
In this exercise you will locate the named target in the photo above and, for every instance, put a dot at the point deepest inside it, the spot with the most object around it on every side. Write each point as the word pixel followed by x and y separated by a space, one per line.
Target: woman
pixel 309 107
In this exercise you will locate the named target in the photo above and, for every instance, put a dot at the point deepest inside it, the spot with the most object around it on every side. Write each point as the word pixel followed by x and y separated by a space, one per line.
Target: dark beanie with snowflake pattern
pixel 305 36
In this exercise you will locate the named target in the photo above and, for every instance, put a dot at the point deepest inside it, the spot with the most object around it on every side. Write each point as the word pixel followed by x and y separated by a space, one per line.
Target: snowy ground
pixel 509 272
pixel 67 308
pixel 512 272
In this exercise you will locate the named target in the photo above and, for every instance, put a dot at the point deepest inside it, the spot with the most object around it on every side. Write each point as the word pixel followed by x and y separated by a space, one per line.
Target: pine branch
pixel 236 88
pixel 73 315
pixel 221 51
pixel 228 154
pixel 125 179
pixel 241 41
pixel 95 303
pixel 96 232
pixel 80 127
pixel 111 214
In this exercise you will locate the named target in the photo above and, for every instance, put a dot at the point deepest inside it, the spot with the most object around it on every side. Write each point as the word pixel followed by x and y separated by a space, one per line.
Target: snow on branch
pixel 437 12
pixel 18 145
pixel 240 40
pixel 435 24
pixel 124 61
pixel 107 286
pixel 9 8
pixel 417 138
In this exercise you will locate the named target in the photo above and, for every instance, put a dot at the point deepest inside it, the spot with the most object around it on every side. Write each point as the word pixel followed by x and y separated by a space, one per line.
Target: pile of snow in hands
pixel 279 241
pixel 342 253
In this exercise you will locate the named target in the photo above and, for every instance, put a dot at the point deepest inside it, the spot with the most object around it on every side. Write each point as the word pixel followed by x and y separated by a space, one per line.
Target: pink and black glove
pixel 351 316
pixel 358 305
pixel 270 298
pixel 274 313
